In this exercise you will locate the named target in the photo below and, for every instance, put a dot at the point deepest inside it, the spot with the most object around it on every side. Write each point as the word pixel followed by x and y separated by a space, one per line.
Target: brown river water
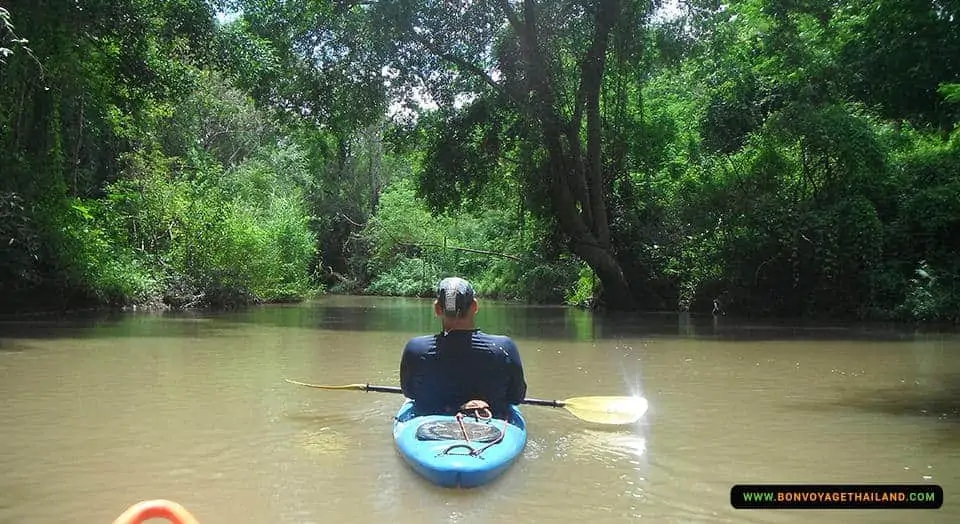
pixel 101 412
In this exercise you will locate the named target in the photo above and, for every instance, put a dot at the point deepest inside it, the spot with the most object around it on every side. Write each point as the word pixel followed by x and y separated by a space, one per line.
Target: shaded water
pixel 100 413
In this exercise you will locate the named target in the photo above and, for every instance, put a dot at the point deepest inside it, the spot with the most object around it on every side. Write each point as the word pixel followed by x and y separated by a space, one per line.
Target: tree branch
pixel 466 249
pixel 565 172
pixel 345 217
pixel 472 68
pixel 511 15
pixel 591 78
pixel 342 278
pixel 583 91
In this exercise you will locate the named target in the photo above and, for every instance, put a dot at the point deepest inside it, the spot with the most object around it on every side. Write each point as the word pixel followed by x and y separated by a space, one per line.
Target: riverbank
pixel 65 305
pixel 798 322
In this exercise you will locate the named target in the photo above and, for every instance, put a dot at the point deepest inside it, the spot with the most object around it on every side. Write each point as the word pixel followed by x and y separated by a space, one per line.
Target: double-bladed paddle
pixel 599 410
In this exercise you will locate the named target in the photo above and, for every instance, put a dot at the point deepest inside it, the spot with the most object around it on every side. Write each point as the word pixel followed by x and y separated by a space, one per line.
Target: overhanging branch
pixel 511 15
pixel 471 68
pixel 465 249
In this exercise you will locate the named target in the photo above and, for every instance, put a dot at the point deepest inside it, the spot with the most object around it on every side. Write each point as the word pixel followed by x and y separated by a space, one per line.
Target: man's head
pixel 456 302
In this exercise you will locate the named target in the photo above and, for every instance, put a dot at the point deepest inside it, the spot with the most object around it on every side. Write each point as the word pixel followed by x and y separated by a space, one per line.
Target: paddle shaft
pixel 534 401
pixel 550 403
pixel 383 389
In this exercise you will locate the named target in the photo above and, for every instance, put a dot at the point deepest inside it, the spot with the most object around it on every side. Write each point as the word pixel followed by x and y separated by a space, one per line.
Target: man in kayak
pixel 442 372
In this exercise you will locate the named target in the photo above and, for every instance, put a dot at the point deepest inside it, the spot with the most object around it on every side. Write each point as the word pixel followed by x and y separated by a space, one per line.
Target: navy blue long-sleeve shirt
pixel 442 372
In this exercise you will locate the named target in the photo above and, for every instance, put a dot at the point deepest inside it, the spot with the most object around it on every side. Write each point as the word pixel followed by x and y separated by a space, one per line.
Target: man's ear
pixel 475 306
pixel 437 310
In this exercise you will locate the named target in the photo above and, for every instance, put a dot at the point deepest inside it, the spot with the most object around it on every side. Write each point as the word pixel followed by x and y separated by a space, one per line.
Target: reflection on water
pixel 327 441
pixel 101 411
pixel 415 315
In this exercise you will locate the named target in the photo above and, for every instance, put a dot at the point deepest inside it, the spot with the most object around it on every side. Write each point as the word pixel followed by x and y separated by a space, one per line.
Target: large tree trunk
pixel 599 255
pixel 616 292
pixel 575 169
pixel 574 172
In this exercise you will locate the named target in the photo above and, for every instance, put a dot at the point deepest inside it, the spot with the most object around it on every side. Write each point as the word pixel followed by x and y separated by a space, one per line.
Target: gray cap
pixel 455 296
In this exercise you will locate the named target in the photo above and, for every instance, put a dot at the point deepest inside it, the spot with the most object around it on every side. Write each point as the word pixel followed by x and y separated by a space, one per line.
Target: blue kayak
pixel 435 447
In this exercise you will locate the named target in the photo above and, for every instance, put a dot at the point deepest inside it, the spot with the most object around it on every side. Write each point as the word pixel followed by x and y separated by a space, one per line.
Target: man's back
pixel 442 372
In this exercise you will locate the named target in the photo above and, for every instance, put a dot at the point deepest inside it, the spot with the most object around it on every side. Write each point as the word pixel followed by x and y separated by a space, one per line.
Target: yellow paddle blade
pixel 359 387
pixel 607 410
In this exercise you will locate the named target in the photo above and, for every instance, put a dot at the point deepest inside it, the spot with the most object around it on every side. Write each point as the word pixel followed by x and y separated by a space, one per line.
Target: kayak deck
pixel 433 445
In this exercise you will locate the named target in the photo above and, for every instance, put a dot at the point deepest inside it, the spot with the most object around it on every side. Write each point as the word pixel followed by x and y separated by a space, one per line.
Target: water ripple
pixel 606 447
pixel 101 417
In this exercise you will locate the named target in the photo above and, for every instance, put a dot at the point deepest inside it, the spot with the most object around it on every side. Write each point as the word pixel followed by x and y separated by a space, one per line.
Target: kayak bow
pixel 156 509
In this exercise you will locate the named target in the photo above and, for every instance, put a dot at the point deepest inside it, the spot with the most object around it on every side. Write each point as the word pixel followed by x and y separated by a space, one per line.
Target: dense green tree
pixel 119 142
pixel 541 72
pixel 780 157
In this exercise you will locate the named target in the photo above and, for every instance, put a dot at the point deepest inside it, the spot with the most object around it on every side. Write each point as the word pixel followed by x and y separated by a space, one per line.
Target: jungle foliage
pixel 797 158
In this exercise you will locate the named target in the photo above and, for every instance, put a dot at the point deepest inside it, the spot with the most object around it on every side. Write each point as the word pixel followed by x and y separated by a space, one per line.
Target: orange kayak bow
pixel 156 509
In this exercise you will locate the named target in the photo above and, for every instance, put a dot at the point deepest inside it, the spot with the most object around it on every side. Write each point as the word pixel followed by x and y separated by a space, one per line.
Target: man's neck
pixel 458 326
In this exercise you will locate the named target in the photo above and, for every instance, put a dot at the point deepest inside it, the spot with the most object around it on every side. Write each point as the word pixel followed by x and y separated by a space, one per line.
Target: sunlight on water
pixel 636 405
pixel 603 446
pixel 633 380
